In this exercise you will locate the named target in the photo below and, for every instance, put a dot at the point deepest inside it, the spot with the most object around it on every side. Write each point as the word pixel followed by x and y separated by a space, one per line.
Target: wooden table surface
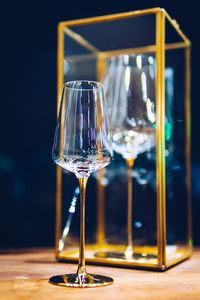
pixel 24 276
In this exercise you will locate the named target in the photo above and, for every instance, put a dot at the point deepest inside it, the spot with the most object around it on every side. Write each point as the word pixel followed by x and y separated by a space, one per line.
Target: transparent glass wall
pixel 175 147
pixel 93 52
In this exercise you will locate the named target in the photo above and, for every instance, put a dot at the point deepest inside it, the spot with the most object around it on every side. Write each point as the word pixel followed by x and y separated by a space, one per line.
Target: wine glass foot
pixel 81 281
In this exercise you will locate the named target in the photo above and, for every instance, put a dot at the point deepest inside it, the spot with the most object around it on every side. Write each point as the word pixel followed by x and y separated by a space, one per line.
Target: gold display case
pixel 161 222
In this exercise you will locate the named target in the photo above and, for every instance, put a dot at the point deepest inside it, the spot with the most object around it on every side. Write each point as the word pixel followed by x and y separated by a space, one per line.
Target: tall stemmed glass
pixel 82 145
pixel 131 102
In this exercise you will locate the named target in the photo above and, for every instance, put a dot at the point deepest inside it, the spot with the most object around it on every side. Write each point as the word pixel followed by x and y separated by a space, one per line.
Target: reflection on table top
pixel 24 275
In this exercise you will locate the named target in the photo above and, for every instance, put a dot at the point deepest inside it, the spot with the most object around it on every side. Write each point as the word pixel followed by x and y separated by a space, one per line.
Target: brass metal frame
pixel 60 55
pixel 188 141
pixel 159 49
pixel 160 134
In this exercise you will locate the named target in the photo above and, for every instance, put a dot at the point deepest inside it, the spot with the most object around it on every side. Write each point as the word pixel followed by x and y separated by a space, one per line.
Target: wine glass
pixel 82 145
pixel 131 108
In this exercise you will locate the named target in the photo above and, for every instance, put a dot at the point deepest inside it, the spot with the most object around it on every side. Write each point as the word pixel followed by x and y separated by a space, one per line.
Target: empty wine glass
pixel 130 91
pixel 82 145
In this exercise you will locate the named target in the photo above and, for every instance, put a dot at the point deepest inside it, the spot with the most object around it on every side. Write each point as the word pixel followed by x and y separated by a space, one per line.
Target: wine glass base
pixel 81 281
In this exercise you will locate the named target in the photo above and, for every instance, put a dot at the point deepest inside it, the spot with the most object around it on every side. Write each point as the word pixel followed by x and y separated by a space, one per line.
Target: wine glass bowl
pixel 82 142
pixel 131 103
pixel 82 145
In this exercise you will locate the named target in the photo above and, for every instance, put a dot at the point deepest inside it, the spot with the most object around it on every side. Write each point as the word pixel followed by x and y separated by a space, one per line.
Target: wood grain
pixel 24 276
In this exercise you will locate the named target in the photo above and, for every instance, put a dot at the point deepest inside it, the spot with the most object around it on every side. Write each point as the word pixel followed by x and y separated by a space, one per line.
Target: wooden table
pixel 24 276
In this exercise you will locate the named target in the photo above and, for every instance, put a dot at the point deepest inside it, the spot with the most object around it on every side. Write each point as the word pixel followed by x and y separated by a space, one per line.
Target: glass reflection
pixel 129 83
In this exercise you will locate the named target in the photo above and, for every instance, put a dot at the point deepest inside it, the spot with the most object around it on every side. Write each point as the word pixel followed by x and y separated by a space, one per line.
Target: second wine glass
pixel 131 104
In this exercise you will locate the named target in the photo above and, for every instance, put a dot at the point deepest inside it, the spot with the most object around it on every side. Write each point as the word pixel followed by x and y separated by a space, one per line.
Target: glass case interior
pixel 122 53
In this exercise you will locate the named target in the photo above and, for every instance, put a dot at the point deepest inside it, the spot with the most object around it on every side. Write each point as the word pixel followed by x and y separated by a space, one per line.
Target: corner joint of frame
pixel 60 27
pixel 161 12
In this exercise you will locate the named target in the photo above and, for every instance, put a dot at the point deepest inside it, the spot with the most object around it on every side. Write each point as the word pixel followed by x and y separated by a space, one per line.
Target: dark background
pixel 28 48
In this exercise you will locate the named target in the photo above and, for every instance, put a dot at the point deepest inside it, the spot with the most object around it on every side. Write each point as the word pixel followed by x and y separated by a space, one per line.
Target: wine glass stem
pixel 129 163
pixel 81 265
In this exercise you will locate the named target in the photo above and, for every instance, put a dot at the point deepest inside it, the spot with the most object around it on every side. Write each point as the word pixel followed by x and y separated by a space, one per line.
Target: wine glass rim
pixel 98 85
